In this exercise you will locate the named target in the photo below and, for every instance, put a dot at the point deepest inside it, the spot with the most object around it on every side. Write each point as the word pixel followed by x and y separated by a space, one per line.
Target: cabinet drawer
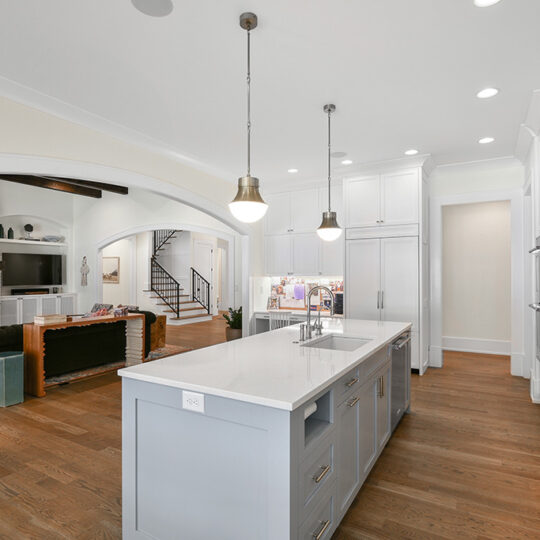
pixel 346 385
pixel 316 471
pixel 366 368
pixel 321 522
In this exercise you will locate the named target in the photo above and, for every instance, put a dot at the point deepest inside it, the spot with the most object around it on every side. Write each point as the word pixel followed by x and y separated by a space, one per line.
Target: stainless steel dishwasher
pixel 401 377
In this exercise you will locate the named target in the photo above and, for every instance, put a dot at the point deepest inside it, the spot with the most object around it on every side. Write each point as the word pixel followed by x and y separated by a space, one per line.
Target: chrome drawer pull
pixel 324 472
pixel 351 382
pixel 325 525
pixel 353 402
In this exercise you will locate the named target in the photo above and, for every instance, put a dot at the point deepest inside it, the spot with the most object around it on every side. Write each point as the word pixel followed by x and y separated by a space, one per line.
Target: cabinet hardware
pixel 353 401
pixel 378 301
pixel 323 473
pixel 382 299
pixel 382 386
pixel 351 382
pixel 325 525
pixel 379 387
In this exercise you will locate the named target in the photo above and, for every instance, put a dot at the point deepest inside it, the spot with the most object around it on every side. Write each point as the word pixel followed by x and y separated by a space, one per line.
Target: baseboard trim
pixel 482 346
pixel 535 388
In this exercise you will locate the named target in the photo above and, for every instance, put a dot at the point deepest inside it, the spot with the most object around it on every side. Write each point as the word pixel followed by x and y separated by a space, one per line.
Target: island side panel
pixel 222 474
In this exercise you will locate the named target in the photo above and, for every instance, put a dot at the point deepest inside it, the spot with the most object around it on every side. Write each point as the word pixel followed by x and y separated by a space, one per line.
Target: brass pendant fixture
pixel 329 230
pixel 248 205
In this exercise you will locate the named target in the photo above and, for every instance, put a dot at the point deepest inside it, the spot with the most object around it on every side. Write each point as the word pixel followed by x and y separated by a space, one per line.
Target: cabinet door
pixel 384 381
pixel 278 255
pixel 305 254
pixel 399 282
pixel 362 201
pixel 278 215
pixel 367 426
pixel 332 256
pixel 9 311
pixel 49 305
pixel 67 305
pixel 362 278
pixel 348 448
pixel 305 213
pixel 399 198
pixel 29 309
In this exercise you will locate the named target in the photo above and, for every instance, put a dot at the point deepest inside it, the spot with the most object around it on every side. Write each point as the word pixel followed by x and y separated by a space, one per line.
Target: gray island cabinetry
pixel 259 439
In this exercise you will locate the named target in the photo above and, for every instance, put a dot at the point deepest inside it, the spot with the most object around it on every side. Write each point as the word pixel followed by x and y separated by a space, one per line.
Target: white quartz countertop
pixel 268 369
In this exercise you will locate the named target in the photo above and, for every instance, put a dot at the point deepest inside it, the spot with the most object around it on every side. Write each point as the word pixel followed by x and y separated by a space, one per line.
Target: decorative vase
pixel 233 333
pixel 1 231
pixel 10 233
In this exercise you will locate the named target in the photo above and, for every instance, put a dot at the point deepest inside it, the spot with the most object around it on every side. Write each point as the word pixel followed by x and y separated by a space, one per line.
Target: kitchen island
pixel 260 438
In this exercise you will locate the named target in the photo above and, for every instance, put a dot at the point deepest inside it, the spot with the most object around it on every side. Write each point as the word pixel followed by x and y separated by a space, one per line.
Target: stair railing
pixel 165 286
pixel 161 237
pixel 200 290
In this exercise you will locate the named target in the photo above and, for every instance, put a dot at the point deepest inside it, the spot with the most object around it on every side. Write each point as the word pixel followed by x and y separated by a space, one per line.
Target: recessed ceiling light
pixel 411 152
pixel 485 3
pixel 486 140
pixel 338 154
pixel 346 162
pixel 487 93
pixel 154 8
pixel 292 170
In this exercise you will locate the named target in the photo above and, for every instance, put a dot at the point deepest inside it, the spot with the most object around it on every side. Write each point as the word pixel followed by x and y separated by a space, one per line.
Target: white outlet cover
pixel 193 401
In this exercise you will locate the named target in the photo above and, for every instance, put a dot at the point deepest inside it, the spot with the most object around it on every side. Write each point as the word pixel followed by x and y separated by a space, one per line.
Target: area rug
pixel 168 350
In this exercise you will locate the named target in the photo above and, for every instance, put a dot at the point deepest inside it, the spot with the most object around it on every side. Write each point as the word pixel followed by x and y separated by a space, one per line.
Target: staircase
pixel 181 307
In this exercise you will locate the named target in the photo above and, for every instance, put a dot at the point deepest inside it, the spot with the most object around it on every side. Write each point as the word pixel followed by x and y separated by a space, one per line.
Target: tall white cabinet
pixel 386 274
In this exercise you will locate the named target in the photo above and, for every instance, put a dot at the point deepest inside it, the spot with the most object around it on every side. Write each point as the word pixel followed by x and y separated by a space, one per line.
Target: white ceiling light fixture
pixel 486 140
pixel 329 230
pixel 487 93
pixel 411 152
pixel 347 162
pixel 154 8
pixel 292 171
pixel 248 206
pixel 485 3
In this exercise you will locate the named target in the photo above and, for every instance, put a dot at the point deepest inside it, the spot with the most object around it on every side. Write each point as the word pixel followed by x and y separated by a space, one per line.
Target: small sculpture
pixel 85 270
pixel 28 231
pixel 10 234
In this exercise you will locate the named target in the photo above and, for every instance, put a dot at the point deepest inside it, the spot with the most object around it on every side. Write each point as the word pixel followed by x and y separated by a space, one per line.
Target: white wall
pixel 476 271
pixel 120 293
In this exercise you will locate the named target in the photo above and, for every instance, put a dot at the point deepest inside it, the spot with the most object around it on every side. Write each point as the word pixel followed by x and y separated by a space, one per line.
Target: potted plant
pixel 234 322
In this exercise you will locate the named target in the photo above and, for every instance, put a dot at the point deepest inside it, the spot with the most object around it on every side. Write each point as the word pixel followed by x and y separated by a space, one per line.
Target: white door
pixel 305 253
pixel 399 282
pixel 29 309
pixel 362 201
pixel 362 279
pixel 332 255
pixel 67 304
pixel 49 305
pixel 278 255
pixel 278 215
pixel 203 260
pixel 9 311
pixel 399 198
pixel 305 215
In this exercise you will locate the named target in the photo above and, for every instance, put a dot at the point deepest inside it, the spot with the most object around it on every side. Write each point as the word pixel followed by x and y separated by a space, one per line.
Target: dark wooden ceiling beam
pixel 49 183
pixel 113 188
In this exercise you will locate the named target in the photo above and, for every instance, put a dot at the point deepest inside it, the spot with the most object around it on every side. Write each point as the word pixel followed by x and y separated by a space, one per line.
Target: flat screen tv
pixel 31 269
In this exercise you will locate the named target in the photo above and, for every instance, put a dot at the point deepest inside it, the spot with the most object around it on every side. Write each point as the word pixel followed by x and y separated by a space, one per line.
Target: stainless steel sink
pixel 338 343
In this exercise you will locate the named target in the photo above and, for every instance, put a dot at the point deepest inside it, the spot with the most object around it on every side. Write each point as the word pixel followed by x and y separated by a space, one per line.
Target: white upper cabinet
pixel 305 254
pixel 332 256
pixel 387 199
pixel 278 261
pixel 278 215
pixel 362 201
pixel 399 198
pixel 305 213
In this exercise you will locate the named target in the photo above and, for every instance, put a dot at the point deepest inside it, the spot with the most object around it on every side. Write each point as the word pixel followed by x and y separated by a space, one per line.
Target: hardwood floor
pixel 197 335
pixel 464 464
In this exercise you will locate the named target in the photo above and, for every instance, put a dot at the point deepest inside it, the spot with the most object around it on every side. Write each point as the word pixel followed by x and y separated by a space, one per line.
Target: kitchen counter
pixel 270 369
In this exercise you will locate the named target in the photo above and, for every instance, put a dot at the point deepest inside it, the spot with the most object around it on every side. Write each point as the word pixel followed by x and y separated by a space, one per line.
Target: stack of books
pixel 50 319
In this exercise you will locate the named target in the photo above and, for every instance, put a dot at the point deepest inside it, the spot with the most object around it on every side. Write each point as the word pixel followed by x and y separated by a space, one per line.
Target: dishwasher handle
pixel 401 343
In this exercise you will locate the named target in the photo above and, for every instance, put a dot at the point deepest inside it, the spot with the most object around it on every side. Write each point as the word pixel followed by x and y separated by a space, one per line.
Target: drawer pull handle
pixel 352 382
pixel 353 402
pixel 323 473
pixel 325 525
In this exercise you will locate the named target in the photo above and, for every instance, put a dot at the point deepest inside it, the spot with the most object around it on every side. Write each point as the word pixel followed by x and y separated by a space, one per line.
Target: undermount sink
pixel 338 343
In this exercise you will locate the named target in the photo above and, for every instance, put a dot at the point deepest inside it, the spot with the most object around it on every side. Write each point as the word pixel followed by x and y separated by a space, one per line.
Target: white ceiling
pixel 402 73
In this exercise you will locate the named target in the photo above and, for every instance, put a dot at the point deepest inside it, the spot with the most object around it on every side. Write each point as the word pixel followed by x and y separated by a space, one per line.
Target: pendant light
pixel 329 229
pixel 248 205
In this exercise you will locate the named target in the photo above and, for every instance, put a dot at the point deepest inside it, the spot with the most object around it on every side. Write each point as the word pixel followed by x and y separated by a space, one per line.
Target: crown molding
pixel 530 129
pixel 30 97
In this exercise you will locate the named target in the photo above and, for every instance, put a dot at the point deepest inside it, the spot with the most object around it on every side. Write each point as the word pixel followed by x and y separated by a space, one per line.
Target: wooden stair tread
pixel 189 317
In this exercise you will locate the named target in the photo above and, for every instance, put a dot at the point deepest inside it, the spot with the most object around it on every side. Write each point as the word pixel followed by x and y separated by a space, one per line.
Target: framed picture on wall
pixel 111 270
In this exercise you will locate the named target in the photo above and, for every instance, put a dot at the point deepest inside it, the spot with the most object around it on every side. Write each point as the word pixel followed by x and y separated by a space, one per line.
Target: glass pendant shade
pixel 329 230
pixel 248 205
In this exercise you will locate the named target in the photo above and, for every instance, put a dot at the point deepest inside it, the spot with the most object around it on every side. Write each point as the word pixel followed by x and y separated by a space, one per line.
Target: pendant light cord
pixel 329 151
pixel 248 80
